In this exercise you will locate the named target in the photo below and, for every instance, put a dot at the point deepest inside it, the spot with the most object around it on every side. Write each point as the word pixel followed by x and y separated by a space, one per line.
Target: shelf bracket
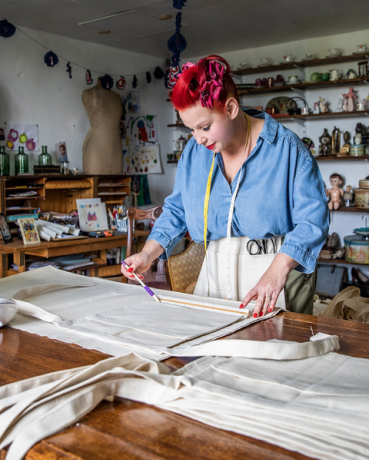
pixel 366 82
pixel 299 121
pixel 299 92
pixel 299 67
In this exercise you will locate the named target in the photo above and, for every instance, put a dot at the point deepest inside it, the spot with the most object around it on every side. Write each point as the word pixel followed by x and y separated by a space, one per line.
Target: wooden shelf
pixel 346 158
pixel 19 189
pixel 312 116
pixel 177 125
pixel 304 64
pixel 338 261
pixel 305 85
pixel 112 185
pixel 111 193
pixel 172 161
pixel 19 209
pixel 67 184
pixel 344 209
pixel 30 198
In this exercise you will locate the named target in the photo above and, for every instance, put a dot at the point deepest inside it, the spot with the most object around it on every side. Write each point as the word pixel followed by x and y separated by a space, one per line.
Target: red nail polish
pixel 270 310
pixel 131 276
pixel 241 306
pixel 261 313
pixel 255 315
pixel 130 270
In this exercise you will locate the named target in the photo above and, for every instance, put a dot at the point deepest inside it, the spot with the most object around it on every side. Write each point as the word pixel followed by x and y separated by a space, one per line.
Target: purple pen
pixel 147 289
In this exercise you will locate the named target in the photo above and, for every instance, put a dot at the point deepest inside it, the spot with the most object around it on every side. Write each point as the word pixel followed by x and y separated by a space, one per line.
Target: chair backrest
pixel 184 268
pixel 139 214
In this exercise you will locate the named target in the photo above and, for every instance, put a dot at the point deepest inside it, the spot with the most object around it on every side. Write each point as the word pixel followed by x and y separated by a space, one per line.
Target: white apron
pixel 245 269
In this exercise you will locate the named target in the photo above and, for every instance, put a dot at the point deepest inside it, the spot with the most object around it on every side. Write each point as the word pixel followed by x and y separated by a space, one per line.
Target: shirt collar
pixel 270 127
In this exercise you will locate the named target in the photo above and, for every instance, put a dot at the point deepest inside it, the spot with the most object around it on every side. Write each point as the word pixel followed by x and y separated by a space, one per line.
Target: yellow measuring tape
pixel 208 186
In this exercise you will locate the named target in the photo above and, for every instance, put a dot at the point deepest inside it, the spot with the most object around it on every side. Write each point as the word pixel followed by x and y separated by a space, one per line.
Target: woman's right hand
pixel 138 263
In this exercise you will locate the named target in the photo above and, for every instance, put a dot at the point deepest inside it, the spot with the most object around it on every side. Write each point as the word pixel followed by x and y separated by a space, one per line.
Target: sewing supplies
pixel 261 247
pixel 147 289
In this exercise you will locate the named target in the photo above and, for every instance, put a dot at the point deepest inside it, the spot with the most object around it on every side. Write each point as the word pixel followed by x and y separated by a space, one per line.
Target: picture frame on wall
pixel 29 231
pixel 4 230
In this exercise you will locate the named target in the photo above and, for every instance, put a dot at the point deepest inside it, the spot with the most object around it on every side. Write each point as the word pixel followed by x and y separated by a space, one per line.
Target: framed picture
pixel 4 229
pixel 29 230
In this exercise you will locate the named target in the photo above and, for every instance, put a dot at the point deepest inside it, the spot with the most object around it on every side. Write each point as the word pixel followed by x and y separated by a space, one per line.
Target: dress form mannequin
pixel 102 148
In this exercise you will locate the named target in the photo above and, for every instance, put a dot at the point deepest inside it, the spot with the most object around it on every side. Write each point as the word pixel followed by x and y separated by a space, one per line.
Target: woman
pixel 241 177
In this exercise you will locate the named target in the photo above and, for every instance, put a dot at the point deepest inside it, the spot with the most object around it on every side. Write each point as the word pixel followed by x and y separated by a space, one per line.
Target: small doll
pixel 335 193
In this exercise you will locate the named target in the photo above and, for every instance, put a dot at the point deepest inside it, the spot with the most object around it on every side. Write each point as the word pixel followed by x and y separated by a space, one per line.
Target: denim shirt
pixel 281 194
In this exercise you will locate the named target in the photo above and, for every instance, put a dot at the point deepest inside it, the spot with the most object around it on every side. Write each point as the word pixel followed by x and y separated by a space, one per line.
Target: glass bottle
pixel 44 158
pixel 4 162
pixel 21 162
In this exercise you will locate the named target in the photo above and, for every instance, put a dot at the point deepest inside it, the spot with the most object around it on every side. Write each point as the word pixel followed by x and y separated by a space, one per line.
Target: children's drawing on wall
pixel 141 130
pixel 126 160
pixel 61 151
pixel 145 159
pixel 123 129
pixel 131 103
pixel 21 135
pixel 2 134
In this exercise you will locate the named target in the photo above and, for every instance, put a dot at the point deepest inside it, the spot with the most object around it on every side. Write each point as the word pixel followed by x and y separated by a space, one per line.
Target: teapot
pixel 180 144
pixel 334 75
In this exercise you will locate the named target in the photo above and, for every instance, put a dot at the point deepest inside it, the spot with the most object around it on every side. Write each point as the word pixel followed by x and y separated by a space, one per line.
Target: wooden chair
pixel 184 269
pixel 137 215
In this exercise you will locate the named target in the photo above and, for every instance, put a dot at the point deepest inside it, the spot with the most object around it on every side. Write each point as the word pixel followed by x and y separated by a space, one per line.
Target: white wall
pixel 341 223
pixel 31 92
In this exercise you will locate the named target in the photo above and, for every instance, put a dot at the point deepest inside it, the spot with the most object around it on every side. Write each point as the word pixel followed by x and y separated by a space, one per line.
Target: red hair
pixel 186 92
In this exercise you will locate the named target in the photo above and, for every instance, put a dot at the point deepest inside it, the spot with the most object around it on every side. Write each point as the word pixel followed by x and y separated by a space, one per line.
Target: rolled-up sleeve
pixel 310 214
pixel 171 226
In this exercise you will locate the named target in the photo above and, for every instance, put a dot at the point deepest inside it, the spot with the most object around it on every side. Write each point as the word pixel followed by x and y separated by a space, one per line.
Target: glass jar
pixel 21 162
pixel 4 162
pixel 44 158
pixel 65 167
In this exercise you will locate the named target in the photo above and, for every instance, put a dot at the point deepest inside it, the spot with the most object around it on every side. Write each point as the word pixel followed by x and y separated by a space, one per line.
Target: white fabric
pixel 116 318
pixel 313 405
pixel 245 270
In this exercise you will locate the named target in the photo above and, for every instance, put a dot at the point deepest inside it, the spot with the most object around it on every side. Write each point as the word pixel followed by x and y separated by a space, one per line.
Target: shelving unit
pixel 344 158
pixel 303 64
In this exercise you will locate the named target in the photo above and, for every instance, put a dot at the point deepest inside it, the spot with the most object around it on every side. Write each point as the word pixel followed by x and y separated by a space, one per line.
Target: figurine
pixel 325 144
pixel 350 74
pixel 336 141
pixel 358 138
pixel 345 149
pixel 351 96
pixel 345 102
pixel 361 105
pixel 339 105
pixel 335 193
pixel 322 106
pixel 348 197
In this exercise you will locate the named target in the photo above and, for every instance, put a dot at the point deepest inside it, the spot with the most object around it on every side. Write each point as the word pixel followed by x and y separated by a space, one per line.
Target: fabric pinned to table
pixel 312 406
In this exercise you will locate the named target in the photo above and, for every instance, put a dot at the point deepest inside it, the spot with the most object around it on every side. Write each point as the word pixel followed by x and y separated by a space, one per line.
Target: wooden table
pixel 61 248
pixel 129 430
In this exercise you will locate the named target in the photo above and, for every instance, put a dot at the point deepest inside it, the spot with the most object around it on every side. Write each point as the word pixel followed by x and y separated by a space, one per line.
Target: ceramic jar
pixel 357 250
pixel 362 198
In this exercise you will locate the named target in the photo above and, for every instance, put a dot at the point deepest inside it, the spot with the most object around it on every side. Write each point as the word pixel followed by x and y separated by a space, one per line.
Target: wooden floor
pixel 129 430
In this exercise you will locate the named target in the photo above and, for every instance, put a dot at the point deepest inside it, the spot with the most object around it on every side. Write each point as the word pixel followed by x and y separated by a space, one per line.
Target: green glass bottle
pixel 4 162
pixel 44 158
pixel 21 162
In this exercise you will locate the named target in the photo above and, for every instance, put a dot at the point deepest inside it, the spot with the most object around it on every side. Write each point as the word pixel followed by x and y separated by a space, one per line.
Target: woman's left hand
pixel 269 287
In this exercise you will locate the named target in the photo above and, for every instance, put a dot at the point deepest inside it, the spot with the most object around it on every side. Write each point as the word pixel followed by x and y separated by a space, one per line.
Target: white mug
pixel 335 52
pixel 361 48
pixel 293 78
pixel 265 61
pixel 288 58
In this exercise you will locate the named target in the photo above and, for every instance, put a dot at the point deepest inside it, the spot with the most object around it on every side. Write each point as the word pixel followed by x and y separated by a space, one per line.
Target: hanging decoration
pixel 166 77
pixel 121 83
pixel 69 70
pixel 176 44
pixel 7 30
pixel 158 73
pixel 89 79
pixel 178 4
pixel 51 59
pixel 106 81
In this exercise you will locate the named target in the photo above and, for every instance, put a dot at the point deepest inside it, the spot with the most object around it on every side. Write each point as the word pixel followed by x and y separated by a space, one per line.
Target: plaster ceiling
pixel 208 25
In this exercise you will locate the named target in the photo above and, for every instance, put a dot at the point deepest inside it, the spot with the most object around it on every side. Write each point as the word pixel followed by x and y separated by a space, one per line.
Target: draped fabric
pixel 311 404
